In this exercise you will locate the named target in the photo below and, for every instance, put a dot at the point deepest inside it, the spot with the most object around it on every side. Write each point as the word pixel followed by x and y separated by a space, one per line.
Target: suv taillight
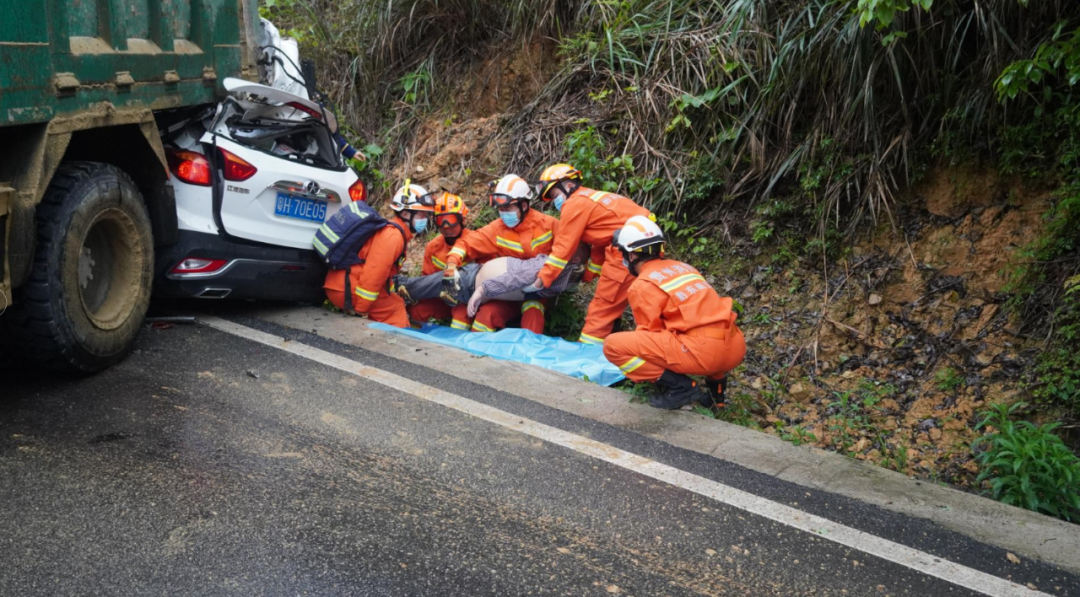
pixel 358 192
pixel 306 110
pixel 236 169
pixel 195 265
pixel 189 166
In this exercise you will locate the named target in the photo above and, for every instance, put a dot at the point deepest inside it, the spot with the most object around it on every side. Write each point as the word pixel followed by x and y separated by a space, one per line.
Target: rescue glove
pixel 398 286
pixel 451 285
pixel 475 301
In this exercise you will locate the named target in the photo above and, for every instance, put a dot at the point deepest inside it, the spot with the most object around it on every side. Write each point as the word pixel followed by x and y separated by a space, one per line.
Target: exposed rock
pixel 799 392
pixel 875 299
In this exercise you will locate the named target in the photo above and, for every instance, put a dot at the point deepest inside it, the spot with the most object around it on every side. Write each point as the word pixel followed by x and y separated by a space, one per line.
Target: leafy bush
pixel 1028 465
pixel 1058 369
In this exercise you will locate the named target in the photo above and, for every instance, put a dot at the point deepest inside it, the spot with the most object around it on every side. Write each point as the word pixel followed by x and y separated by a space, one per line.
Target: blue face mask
pixel 626 264
pixel 559 202
pixel 419 225
pixel 510 218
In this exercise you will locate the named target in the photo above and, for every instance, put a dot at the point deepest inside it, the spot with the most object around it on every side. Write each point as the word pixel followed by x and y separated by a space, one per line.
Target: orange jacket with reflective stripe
pixel 381 259
pixel 591 217
pixel 671 295
pixel 437 250
pixel 534 235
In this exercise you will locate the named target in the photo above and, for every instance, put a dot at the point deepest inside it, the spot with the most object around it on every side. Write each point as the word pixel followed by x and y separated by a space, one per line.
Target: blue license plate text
pixel 300 208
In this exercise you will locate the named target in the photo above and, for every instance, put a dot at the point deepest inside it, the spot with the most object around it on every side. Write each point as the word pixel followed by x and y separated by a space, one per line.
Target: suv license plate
pixel 300 208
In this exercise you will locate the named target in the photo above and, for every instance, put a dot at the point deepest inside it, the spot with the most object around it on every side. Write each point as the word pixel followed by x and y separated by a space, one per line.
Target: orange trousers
pixel 439 310
pixel 610 300
pixel 644 356
pixel 496 315
pixel 387 308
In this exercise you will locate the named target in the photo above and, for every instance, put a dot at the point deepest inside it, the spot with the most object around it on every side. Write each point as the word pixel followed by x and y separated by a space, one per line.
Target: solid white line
pixel 823 528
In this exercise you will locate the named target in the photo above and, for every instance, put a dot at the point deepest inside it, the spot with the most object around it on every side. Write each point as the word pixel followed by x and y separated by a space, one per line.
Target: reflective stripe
pixel 679 281
pixel 479 327
pixel 438 262
pixel 457 324
pixel 532 305
pixel 355 207
pixel 555 261
pixel 321 248
pixel 587 339
pixel 509 244
pixel 328 233
pixel 366 294
pixel 632 364
pixel 543 238
pixel 458 251
pixel 594 268
pixel 598 195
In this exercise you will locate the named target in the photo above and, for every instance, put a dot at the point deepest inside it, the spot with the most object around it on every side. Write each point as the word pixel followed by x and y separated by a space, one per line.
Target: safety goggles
pixel 502 200
pixel 447 220
pixel 425 200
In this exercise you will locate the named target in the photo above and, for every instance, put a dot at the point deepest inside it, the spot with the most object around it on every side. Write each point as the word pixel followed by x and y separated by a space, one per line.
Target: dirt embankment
pixel 911 343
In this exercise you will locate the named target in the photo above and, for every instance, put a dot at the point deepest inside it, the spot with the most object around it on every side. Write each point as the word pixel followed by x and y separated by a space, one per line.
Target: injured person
pixel 502 278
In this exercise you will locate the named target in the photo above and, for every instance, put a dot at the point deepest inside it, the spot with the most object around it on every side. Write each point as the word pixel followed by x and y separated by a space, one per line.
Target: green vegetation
pixel 1058 370
pixel 797 436
pixel 948 379
pixel 1028 465
pixel 563 317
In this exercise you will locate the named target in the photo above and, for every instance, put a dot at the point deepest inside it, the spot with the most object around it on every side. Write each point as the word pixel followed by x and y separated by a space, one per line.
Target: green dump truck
pixel 83 193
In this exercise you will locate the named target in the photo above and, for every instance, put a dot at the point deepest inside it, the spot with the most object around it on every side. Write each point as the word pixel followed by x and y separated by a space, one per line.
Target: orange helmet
pixel 450 210
pixel 554 174
pixel 448 203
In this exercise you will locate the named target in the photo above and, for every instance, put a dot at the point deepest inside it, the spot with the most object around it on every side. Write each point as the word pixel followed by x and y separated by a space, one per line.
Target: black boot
pixel 678 390
pixel 715 398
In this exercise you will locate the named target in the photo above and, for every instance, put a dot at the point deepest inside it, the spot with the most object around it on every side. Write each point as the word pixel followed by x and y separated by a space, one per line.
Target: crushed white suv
pixel 254 178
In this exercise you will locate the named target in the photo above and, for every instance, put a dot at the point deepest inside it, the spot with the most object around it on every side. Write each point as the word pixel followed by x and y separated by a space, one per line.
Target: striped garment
pixel 521 273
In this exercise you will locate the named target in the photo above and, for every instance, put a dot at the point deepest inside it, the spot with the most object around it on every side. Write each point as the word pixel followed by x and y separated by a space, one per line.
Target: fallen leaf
pixel 1012 558
pixel 613 589
pixel 710 552
pixel 563 550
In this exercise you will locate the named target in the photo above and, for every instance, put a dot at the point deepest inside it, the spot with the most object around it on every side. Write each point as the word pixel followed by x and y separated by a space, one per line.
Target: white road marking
pixel 908 557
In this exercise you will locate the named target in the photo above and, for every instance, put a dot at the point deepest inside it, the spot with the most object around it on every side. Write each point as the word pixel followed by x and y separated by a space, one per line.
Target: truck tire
pixel 89 289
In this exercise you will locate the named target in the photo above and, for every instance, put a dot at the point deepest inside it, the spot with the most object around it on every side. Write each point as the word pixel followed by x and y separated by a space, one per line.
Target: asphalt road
pixel 207 464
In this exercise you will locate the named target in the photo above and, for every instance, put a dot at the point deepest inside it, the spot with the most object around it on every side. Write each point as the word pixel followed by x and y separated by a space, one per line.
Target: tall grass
pixel 736 100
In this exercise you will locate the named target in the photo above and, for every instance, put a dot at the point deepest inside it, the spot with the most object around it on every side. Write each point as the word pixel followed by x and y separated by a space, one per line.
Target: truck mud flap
pixel 6 197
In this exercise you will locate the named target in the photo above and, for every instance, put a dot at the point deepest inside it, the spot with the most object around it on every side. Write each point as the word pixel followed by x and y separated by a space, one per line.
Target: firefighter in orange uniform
pixel 519 232
pixel 683 326
pixel 381 258
pixel 450 212
pixel 592 217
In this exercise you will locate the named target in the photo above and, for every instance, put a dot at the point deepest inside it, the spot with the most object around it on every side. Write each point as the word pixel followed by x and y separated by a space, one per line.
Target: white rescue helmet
pixel 510 189
pixel 638 233
pixel 412 197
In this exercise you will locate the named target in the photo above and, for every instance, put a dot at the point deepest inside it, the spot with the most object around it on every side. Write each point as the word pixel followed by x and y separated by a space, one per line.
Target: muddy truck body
pixel 84 199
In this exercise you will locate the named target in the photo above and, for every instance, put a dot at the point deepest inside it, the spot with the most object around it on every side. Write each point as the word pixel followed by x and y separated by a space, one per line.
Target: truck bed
pixel 63 56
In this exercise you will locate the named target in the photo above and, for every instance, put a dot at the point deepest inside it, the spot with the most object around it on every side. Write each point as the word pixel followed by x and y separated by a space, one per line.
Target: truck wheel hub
pixel 110 269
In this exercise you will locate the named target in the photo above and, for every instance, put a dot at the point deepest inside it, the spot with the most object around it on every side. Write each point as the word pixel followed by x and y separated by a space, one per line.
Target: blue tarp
pixel 583 361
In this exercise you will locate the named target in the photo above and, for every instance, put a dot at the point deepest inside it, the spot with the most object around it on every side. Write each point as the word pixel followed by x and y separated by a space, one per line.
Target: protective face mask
pixel 559 202
pixel 419 225
pixel 511 219
pixel 626 264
